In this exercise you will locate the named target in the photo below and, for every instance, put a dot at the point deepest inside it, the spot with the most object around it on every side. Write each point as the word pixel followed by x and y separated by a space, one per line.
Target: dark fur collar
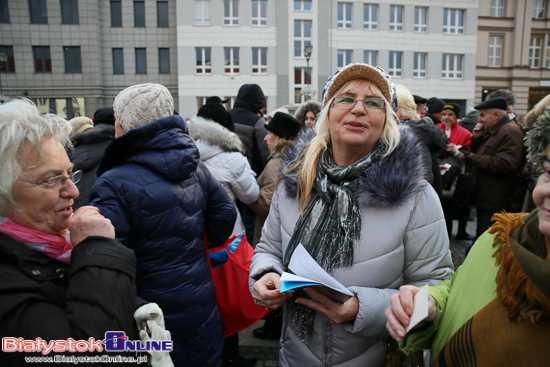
pixel 388 183
pixel 98 134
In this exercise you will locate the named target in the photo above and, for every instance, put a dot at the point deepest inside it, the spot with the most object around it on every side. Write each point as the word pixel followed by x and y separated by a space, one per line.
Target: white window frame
pixel 370 57
pixel 420 19
pixel 202 12
pixel 395 68
pixel 452 66
pixel 453 21
pixel 201 66
pixel 547 61
pixel 259 19
pixel 419 64
pixel 495 51
pixel 230 12
pixel 396 17
pixel 300 88
pixel 370 20
pixel 345 11
pixel 497 8
pixel 344 57
pixel 535 51
pixel 300 5
pixel 231 60
pixel 259 60
pixel 301 40
pixel 539 10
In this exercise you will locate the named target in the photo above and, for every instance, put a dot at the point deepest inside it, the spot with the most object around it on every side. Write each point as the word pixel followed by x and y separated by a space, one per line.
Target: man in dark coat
pixel 496 157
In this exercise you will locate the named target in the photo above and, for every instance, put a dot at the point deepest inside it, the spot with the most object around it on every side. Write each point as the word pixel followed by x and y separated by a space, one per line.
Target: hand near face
pixel 87 221
pixel 335 312
pixel 478 130
pixel 266 292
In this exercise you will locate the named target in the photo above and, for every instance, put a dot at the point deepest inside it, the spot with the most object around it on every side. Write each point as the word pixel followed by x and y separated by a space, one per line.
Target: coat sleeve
pixel 244 184
pixel 427 261
pixel 268 185
pixel 220 213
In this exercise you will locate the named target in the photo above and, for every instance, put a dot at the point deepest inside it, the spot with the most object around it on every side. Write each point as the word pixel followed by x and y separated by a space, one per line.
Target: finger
pixel 397 309
pixel 394 325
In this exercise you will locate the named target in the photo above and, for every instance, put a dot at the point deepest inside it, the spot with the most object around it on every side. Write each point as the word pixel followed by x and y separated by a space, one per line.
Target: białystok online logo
pixel 115 341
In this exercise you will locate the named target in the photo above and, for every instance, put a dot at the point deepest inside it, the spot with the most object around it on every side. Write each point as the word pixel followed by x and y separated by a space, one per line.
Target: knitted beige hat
pixel 81 124
pixel 140 104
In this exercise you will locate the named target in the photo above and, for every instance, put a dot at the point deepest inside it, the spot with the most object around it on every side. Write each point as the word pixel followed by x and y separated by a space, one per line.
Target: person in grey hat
pixel 496 157
pixel 164 203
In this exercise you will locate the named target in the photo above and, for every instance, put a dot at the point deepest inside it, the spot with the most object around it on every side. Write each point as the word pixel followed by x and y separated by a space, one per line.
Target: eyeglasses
pixel 368 103
pixel 57 182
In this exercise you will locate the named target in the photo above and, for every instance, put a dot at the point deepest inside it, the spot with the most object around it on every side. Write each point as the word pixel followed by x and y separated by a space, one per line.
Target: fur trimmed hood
pixel 98 134
pixel 389 182
pixel 310 105
pixel 215 134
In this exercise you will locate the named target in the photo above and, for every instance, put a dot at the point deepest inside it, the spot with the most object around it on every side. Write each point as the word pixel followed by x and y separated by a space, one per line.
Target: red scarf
pixel 54 246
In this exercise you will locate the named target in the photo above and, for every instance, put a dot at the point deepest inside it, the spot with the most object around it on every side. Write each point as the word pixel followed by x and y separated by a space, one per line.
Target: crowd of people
pixel 105 223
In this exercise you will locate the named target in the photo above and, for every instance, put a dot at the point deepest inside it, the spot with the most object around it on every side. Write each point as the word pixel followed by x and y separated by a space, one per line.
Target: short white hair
pixel 22 123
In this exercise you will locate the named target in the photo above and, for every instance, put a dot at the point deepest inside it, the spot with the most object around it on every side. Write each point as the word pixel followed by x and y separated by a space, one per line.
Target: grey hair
pixel 20 124
pixel 508 95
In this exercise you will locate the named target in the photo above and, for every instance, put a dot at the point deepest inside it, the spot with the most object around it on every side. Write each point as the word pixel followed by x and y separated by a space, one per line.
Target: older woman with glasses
pixel 63 273
pixel 355 197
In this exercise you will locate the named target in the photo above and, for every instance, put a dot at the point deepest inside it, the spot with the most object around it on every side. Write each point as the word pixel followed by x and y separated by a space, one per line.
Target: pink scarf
pixel 54 246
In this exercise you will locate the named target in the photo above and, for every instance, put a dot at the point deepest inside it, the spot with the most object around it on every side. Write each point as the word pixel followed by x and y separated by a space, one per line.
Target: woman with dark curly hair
pixel 307 113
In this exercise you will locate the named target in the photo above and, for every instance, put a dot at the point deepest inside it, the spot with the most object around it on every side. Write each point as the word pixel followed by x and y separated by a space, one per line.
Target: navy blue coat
pixel 162 200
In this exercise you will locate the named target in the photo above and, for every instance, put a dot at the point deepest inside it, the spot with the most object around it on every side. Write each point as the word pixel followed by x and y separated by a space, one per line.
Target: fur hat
pixel 284 125
pixel 537 139
pixel 498 103
pixel 453 108
pixel 373 74
pixel 142 103
pixel 216 112
pixel 434 105
pixel 81 124
pixel 105 115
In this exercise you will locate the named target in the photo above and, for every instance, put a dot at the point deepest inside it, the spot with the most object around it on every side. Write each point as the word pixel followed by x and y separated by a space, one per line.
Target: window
pixel 139 14
pixel 202 12
pixel 164 61
pixel 116 14
pixel 495 51
pixel 534 51
pixel 231 60
pixel 73 61
pixel 547 54
pixel 162 14
pixel 259 60
pixel 419 67
pixel 344 15
pixel 370 16
pixel 395 68
pixel 42 59
pixel 141 61
pixel 453 21
pixel 7 66
pixel 497 8
pixel 370 57
pixel 204 60
pixel 231 12
pixel 118 61
pixel 420 19
pixel 302 84
pixel 38 11
pixel 302 36
pixel 396 18
pixel 4 11
pixel 538 9
pixel 259 12
pixel 302 5
pixel 69 11
pixel 452 66
pixel 344 57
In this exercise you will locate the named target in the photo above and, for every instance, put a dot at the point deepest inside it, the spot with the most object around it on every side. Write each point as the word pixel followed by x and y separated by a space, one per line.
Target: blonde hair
pixel 306 162
pixel 405 102
pixel 536 111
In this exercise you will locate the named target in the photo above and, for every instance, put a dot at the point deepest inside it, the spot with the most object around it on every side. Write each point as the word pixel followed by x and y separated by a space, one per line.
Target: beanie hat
pixel 140 104
pixel 216 112
pixel 453 108
pixel 105 115
pixel 284 125
pixel 81 124
pixel 434 105
pixel 374 74
pixel 215 99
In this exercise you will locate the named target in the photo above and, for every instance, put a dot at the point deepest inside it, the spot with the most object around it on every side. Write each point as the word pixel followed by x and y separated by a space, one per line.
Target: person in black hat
pixel 216 99
pixel 420 102
pixel 435 107
pixel 217 113
pixel 496 156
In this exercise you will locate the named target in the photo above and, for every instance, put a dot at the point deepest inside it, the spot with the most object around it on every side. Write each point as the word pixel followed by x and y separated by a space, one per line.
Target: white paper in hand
pixel 420 308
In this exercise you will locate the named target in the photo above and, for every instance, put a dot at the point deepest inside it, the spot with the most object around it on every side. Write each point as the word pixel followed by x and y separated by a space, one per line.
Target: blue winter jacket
pixel 162 200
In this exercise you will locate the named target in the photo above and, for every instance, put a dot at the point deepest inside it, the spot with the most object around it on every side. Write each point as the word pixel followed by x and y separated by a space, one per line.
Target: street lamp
pixel 307 53
pixel 3 59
